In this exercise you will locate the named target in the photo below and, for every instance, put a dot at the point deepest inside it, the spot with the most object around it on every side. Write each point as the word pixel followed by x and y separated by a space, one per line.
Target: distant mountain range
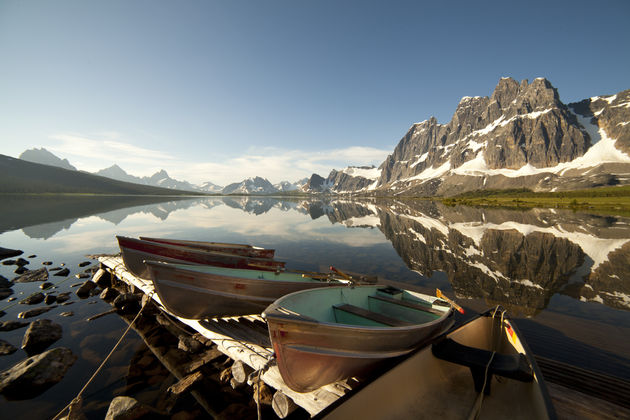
pixel 520 136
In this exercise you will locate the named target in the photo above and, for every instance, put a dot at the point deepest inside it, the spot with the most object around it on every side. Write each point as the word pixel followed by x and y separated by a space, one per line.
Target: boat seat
pixel 372 316
pixel 514 366
pixel 407 304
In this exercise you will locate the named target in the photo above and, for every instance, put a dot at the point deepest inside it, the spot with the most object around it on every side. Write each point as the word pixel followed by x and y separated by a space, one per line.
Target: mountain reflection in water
pixel 518 259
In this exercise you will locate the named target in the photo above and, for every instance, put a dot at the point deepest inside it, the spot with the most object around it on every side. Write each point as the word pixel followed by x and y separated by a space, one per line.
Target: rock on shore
pixel 34 375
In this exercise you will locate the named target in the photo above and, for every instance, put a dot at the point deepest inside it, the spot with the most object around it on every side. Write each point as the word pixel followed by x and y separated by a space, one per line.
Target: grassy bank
pixel 609 200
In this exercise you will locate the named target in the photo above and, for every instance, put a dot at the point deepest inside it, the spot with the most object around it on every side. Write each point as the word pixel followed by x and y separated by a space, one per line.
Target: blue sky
pixel 223 90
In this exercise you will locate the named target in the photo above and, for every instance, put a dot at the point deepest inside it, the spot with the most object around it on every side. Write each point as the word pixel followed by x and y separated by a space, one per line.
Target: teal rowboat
pixel 324 335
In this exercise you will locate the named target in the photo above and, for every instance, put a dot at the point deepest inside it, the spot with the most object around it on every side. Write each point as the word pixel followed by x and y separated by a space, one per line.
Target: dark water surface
pixel 564 276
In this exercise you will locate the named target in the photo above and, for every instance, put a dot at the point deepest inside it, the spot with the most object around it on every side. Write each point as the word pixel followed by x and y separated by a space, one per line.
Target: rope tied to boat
pixel 77 400
pixel 476 409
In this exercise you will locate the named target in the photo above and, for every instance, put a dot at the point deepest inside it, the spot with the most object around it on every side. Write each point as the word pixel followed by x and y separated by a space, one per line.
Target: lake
pixel 564 276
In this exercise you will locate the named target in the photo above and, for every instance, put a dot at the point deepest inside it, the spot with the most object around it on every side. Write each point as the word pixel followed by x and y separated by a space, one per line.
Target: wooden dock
pixel 243 339
pixel 575 393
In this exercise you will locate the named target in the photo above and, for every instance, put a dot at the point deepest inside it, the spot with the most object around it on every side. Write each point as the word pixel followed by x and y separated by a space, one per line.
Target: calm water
pixel 564 276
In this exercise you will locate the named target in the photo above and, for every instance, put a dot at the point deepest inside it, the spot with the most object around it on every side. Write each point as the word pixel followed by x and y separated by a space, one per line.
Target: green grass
pixel 608 200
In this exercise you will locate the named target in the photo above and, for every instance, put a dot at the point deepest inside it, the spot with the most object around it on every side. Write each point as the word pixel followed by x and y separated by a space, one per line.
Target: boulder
pixel 102 278
pixel 39 335
pixel 8 253
pixel 34 375
pixel 46 285
pixel 33 299
pixel 8 262
pixel 84 290
pixel 6 348
pixel 62 297
pixel 50 299
pixel 189 344
pixel 127 302
pixel 84 263
pixel 40 274
pixel 47 263
pixel 109 293
pixel 127 408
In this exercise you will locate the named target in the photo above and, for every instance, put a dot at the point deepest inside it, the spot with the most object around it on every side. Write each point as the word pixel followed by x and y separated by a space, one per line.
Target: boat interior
pixel 448 380
pixel 247 274
pixel 373 306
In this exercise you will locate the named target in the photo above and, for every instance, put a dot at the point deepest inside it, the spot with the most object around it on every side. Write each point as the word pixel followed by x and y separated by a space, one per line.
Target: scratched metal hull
pixel 135 252
pixel 198 292
pixel 236 249
pixel 313 351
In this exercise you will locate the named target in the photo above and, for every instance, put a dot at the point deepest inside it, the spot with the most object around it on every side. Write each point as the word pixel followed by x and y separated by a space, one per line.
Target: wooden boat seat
pixel 514 366
pixel 407 304
pixel 372 316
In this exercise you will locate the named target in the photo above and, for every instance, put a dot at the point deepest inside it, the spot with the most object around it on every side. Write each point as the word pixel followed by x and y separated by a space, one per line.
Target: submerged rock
pixel 50 299
pixel 21 262
pixel 62 273
pixel 35 312
pixel 5 292
pixel 127 408
pixel 66 314
pixel 47 263
pixel 5 283
pixel 41 274
pixel 34 375
pixel 39 335
pixel 62 297
pixel 33 299
pixel 21 270
pixel 8 253
pixel 8 262
pixel 12 325
pixel 6 348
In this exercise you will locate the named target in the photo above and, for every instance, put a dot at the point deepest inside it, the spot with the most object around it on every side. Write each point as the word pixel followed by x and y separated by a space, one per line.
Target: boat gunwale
pixel 273 313
pixel 174 267
pixel 184 241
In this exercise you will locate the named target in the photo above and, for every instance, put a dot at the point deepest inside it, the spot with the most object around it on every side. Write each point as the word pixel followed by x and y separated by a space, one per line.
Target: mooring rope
pixel 77 399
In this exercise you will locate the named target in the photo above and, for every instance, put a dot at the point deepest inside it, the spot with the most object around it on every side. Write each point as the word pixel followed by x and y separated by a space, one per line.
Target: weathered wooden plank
pixel 243 339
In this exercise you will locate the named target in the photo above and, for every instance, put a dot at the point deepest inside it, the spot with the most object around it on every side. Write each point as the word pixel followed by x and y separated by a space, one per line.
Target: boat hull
pixel 197 293
pixel 424 386
pixel 135 252
pixel 236 249
pixel 311 354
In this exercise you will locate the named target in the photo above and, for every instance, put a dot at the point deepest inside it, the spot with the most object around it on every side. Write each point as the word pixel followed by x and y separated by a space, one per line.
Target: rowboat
pixel 198 292
pixel 237 249
pixel 136 251
pixel 482 369
pixel 324 335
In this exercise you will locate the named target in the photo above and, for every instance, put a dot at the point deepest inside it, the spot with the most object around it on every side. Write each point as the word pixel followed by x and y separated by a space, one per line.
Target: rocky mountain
pixel 45 157
pixel 255 185
pixel 523 135
pixel 286 186
pixel 158 179
pixel 348 180
pixel 210 188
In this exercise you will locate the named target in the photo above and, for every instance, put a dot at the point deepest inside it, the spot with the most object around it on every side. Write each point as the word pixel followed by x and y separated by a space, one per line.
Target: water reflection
pixel 519 259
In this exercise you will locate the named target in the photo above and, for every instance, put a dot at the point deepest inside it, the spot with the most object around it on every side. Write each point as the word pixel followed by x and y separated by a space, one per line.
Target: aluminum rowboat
pixel 136 251
pixel 237 249
pixel 324 335
pixel 198 292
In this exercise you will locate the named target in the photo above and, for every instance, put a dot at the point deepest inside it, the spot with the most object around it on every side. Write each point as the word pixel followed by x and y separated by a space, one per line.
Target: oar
pixel 341 273
pixel 439 294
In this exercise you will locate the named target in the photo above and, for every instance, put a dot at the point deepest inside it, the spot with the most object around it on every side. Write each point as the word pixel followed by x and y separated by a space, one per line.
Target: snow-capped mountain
pixel 521 136
pixel 348 180
pixel 255 185
pixel 290 186
pixel 45 157
pixel 210 188
pixel 158 179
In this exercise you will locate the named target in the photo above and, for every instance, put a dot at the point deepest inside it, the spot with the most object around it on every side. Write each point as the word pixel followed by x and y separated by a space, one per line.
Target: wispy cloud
pixel 100 150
